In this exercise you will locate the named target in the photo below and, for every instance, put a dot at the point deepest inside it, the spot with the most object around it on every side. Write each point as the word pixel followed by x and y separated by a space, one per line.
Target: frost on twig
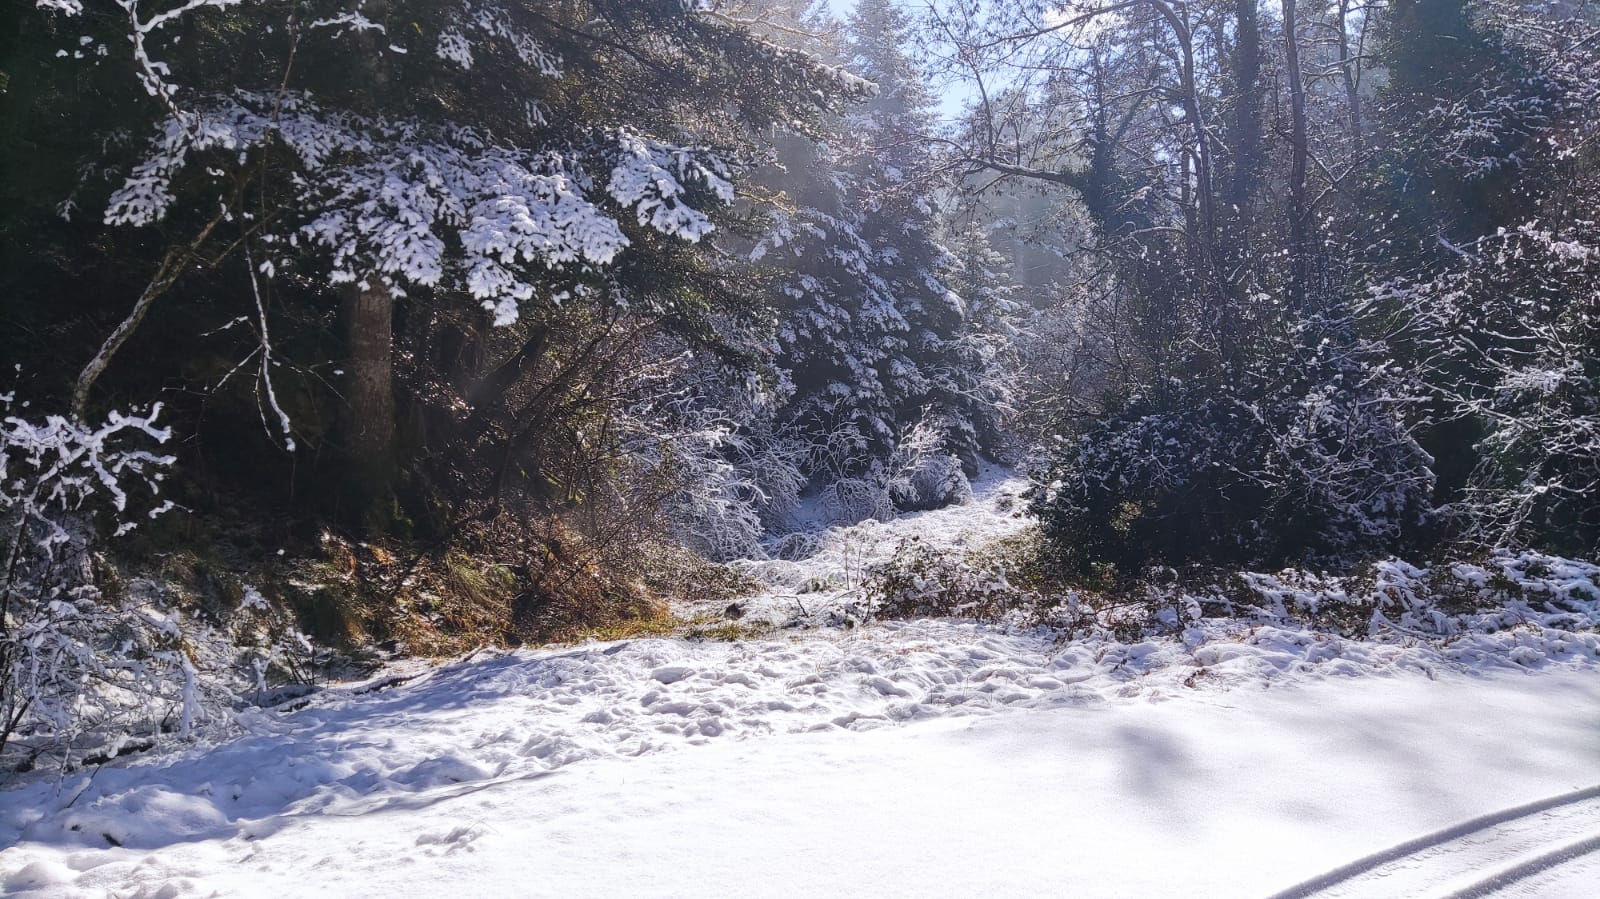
pixel 62 467
pixel 87 672
pixel 67 656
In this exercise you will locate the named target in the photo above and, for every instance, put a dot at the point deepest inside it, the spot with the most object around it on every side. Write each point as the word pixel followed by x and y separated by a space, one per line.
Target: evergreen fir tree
pixel 874 339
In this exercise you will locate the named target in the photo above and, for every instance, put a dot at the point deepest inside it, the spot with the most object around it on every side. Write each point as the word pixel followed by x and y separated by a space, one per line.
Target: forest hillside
pixel 733 369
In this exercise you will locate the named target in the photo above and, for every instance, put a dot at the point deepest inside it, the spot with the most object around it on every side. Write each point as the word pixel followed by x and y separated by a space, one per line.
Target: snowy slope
pixel 1210 794
pixel 923 758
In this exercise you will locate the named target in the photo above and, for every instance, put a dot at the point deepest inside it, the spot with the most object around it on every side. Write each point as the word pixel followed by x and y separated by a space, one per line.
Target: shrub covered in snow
pixel 1321 468
pixel 1522 371
pixel 850 500
pixel 731 490
pixel 924 474
pixel 1505 599
pixel 922 581
pixel 90 665
pixel 62 651
pixel 1445 600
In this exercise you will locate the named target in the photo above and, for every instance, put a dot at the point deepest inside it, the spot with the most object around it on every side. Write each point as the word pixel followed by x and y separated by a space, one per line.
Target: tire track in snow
pixel 1441 860
pixel 1531 867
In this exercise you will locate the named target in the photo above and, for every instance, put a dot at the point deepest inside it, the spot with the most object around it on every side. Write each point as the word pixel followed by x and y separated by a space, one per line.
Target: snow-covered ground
pixel 922 758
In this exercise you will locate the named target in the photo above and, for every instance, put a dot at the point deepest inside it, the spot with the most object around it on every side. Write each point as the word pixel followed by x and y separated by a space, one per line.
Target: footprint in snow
pixel 455 840
pixel 671 674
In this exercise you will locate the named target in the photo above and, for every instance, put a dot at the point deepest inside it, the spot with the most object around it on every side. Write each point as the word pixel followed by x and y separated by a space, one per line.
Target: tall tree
pixel 873 340
pixel 469 171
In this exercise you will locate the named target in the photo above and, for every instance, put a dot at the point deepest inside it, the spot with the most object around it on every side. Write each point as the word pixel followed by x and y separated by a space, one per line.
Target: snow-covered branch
pixel 397 199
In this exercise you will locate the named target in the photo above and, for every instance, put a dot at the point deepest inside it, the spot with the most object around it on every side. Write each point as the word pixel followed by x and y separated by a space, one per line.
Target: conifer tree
pixel 505 185
pixel 873 338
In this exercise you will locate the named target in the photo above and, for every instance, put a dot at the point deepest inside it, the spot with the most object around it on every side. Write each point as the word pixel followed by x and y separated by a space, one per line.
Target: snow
pixel 895 758
pixel 434 789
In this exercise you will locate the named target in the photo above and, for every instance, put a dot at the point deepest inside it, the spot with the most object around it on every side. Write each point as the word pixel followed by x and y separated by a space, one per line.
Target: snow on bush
pixel 1521 366
pixel 925 476
pixel 55 475
pixel 1527 603
pixel 87 669
pixel 50 470
pixel 731 475
pixel 922 581
pixel 848 501
pixel 918 474
pixel 1393 597
pixel 716 508
pixel 1325 468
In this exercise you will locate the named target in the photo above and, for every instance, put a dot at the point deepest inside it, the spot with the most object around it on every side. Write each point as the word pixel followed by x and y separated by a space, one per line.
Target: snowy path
pixel 818 588
pixel 923 758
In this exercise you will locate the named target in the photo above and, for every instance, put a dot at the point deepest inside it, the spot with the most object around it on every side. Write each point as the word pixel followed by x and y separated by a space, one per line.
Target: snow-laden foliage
pixel 871 346
pixel 92 665
pixel 726 474
pixel 923 474
pixel 144 28
pixel 546 165
pixel 1499 310
pixel 435 206
pixel 863 497
pixel 876 342
pixel 923 581
pixel 1510 350
pixel 650 178
pixel 1487 131
pixel 494 22
pixel 1246 182
pixel 848 349
pixel 1448 600
pixel 731 488
pixel 58 468
pixel 1323 466
pixel 1534 89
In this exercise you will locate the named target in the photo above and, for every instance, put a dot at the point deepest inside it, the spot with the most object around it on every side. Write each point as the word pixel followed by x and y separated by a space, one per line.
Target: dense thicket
pixel 1345 294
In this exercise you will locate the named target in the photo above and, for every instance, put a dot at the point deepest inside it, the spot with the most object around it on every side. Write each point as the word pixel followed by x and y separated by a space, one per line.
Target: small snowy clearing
pixel 1225 757
pixel 817 573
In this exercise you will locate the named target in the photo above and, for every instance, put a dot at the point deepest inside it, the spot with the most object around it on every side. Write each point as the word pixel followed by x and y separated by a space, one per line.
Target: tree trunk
pixel 1299 207
pixel 368 311
pixel 369 390
pixel 1246 149
pixel 1350 67
pixel 1204 196
pixel 1216 306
